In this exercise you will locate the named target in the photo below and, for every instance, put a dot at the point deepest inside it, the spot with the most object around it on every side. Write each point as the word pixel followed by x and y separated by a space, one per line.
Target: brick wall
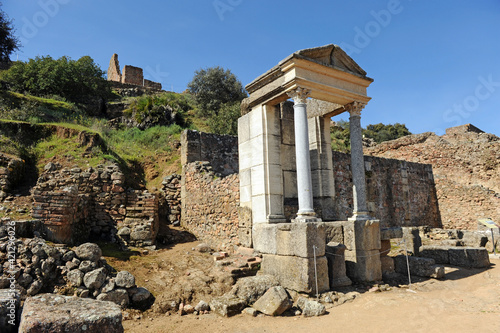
pixel 210 205
pixel 76 205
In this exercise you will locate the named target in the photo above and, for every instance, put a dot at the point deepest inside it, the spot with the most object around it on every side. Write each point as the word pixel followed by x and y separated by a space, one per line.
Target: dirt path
pixel 468 300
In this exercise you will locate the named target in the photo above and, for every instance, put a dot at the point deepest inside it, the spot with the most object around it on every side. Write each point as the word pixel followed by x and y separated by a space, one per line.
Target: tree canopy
pixel 381 132
pixel 340 134
pixel 218 93
pixel 8 42
pixel 70 79
pixel 215 86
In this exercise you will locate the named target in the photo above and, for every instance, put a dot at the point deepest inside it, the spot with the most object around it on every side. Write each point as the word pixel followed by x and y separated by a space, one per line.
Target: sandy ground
pixel 468 300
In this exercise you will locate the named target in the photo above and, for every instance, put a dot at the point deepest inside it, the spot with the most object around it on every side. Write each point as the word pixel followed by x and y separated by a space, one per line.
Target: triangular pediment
pixel 332 56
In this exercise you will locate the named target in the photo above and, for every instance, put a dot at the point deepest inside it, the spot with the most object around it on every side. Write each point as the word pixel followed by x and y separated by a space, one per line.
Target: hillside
pixel 466 166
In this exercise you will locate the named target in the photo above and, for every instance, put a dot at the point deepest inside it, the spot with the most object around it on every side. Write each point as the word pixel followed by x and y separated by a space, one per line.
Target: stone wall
pixel 76 205
pixel 171 191
pixel 399 193
pixel 11 172
pixel 141 224
pixel 152 84
pixel 114 69
pixel 132 75
pixel 210 205
pixel 220 150
pixel 466 167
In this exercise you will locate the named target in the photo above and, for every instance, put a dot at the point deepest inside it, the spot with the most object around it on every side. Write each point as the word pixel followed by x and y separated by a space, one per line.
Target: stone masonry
pixel 11 172
pixel 466 167
pixel 75 205
pixel 210 205
pixel 130 75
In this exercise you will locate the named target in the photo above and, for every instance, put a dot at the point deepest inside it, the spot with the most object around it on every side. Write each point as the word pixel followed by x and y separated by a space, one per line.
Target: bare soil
pixel 467 300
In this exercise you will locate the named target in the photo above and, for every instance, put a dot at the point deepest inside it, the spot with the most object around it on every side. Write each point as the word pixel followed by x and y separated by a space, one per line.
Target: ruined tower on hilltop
pixel 131 75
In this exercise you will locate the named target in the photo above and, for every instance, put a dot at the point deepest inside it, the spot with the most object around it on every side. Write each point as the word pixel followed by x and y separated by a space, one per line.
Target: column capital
pixel 299 95
pixel 355 108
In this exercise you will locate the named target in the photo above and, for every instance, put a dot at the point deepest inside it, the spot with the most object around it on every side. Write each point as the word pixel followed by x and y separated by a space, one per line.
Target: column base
pixel 305 219
pixel 276 219
pixel 360 216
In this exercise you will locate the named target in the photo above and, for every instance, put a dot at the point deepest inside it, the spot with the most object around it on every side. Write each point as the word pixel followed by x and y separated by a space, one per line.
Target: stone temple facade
pixel 130 75
pixel 285 159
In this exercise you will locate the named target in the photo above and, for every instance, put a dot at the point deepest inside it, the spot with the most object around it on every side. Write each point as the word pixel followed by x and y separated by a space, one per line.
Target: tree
pixel 8 42
pixel 76 81
pixel 215 86
pixel 381 132
pixel 226 121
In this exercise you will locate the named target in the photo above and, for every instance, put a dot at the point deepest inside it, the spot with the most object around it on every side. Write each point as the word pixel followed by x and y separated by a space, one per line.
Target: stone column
pixel 304 181
pixel 360 210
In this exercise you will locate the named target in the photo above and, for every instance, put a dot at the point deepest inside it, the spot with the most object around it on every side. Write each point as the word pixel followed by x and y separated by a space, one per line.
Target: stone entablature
pixel 129 75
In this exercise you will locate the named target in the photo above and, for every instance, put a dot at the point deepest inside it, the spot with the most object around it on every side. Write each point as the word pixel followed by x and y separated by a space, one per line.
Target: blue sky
pixel 436 64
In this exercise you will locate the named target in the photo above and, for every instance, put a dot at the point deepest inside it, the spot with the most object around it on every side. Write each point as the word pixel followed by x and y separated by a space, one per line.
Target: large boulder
pixel 95 279
pixel 140 298
pixel 88 251
pixel 75 277
pixel 472 257
pixel 274 302
pixel 125 279
pixel 252 288
pixel 56 313
pixel 117 296
pixel 227 305
pixel 310 308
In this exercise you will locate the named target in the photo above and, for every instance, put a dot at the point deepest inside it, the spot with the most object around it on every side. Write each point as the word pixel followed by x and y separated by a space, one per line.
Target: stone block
pixel 362 235
pixel 387 265
pixel 298 239
pixel 472 257
pixel 391 233
pixel 438 253
pixel 245 155
pixel 245 236
pixel 227 305
pixel 264 237
pixel 297 273
pixel 336 265
pixel 311 308
pixel 288 132
pixel 419 266
pixel 288 158
pixel 274 302
pixel 244 128
pixel 363 266
pixel 474 238
pixel 251 288
pixel 334 232
pixel 411 236
pixel 290 184
pixel 56 313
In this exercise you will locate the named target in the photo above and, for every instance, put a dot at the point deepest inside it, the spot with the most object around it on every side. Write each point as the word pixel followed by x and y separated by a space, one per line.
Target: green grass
pixel 133 144
pixel 16 106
